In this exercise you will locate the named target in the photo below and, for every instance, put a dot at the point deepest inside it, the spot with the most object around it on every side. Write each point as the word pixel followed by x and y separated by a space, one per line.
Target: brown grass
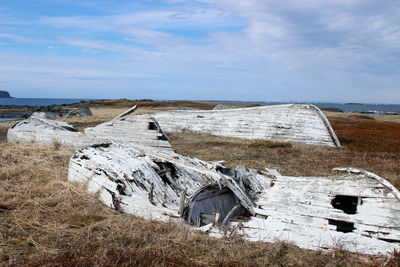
pixel 4 126
pixel 46 220
pixel 149 104
pixel 378 117
pixel 367 135
pixel 270 144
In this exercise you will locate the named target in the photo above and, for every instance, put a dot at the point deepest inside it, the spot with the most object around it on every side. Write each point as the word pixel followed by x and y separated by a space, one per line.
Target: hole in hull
pixel 348 204
pixel 152 126
pixel 213 204
pixel 167 172
pixel 342 226
pixel 226 171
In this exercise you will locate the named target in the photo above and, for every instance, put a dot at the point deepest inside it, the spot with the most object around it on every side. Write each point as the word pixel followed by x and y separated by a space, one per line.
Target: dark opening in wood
pixel 348 204
pixel 226 171
pixel 213 204
pixel 162 137
pixel 167 172
pixel 152 125
pixel 342 226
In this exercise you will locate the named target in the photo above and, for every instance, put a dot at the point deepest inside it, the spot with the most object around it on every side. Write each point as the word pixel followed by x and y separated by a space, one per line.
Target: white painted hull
pixel 296 123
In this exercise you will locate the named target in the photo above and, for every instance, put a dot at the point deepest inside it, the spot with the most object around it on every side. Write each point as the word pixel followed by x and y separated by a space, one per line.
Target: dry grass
pixel 4 126
pixel 367 135
pixel 46 220
pixel 378 117
pixel 270 144
pixel 149 104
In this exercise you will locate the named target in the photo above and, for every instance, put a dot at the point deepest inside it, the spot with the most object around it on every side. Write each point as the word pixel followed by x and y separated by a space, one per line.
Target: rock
pixel 81 112
pixel 4 94
pixel 39 115
pixel 46 115
pixel 223 106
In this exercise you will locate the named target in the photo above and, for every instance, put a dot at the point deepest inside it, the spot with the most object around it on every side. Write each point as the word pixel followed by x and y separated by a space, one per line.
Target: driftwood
pixel 354 210
pixel 296 123
pixel 131 130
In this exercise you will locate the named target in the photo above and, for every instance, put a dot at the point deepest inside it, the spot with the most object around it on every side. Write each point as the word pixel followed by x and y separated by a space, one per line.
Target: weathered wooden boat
pixel 297 123
pixel 128 129
pixel 354 209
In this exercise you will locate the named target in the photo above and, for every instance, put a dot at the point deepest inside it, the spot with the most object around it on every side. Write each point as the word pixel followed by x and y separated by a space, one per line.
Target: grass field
pixel 46 220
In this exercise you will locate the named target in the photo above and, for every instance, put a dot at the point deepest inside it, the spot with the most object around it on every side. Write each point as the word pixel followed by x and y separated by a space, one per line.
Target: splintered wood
pixel 354 210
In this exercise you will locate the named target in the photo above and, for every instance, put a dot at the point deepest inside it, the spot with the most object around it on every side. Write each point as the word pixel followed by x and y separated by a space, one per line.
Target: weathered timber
pixel 131 130
pixel 288 123
pixel 354 209
pixel 151 184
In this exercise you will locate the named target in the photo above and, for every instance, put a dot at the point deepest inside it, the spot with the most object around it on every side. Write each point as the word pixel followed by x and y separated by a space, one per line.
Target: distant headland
pixel 4 94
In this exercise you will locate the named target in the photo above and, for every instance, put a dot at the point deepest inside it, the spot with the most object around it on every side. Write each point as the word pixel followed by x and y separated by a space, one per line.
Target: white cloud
pixel 15 37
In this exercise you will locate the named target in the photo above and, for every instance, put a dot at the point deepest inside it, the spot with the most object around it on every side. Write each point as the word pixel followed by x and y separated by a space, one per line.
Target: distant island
pixel 357 104
pixel 4 94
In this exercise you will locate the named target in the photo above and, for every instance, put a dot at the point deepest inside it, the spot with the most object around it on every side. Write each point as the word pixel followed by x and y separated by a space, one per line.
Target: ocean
pixel 37 101
pixel 8 119
pixel 345 107
pixel 389 109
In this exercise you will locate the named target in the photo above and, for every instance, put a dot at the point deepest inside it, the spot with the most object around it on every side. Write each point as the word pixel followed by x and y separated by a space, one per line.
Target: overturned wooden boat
pixel 290 123
pixel 128 129
pixel 354 209
pixel 297 123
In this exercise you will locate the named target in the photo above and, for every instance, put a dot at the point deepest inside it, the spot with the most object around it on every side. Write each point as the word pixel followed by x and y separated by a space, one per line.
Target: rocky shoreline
pixel 52 111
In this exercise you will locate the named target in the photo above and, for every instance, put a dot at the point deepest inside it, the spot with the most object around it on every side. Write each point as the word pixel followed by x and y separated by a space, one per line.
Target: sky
pixel 253 50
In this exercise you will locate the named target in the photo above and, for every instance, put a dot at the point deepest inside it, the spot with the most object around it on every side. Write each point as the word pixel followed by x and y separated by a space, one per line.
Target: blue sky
pixel 255 50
